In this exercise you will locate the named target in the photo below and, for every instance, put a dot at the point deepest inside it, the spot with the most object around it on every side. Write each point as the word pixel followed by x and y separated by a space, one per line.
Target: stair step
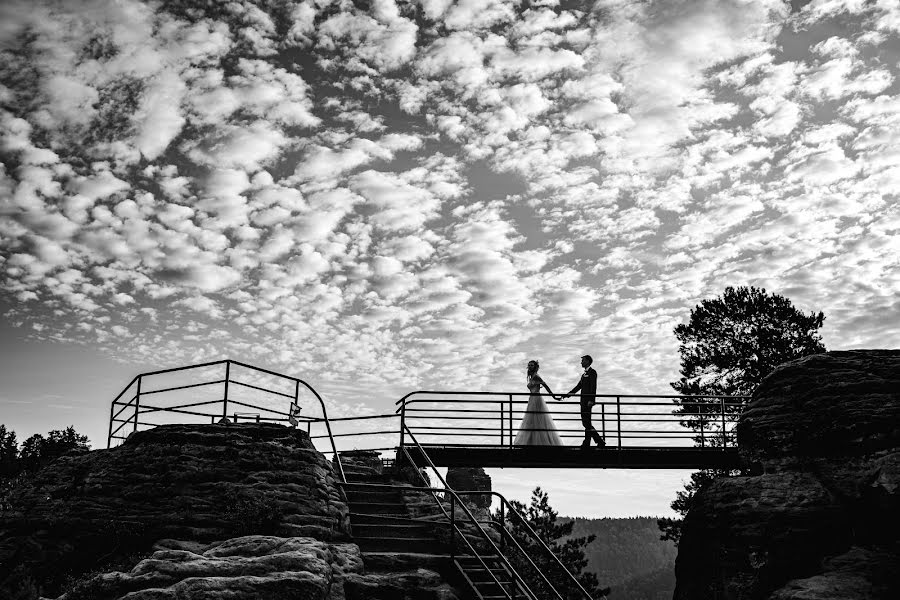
pixel 359 518
pixel 391 529
pixel 483 577
pixel 422 545
pixel 378 560
pixel 379 508
pixel 375 496
pixel 367 478
pixel 494 562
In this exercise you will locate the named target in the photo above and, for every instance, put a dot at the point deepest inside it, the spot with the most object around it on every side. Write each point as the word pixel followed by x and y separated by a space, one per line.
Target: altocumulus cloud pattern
pixel 432 191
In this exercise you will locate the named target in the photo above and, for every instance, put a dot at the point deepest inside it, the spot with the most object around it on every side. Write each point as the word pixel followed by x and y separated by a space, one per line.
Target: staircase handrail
pixel 532 533
pixel 433 491
pixel 447 488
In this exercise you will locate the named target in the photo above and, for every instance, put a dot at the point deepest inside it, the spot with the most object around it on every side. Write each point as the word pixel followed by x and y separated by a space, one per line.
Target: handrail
pixel 506 502
pixel 228 379
pixel 532 533
pixel 434 491
pixel 506 394
pixel 448 489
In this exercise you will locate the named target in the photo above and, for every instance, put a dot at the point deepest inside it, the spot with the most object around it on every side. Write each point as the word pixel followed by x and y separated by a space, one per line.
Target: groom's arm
pixel 592 378
pixel 577 387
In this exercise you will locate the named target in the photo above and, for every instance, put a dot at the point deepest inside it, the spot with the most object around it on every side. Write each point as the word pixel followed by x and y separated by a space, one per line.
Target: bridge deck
pixel 568 457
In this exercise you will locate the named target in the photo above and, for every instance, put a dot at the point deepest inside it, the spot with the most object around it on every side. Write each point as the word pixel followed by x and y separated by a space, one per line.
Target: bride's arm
pixel 544 383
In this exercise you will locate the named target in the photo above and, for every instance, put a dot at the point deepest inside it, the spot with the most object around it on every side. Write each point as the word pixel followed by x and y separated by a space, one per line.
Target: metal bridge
pixel 455 428
pixel 495 556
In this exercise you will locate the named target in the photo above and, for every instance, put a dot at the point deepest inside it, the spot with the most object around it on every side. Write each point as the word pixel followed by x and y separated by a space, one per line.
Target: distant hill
pixel 629 556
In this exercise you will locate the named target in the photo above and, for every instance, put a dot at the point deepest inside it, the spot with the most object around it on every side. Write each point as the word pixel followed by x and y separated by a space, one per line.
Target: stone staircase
pixel 381 521
pixel 392 542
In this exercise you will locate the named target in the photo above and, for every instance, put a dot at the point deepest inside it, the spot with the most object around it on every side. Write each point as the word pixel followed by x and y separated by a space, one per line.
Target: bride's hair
pixel 533 366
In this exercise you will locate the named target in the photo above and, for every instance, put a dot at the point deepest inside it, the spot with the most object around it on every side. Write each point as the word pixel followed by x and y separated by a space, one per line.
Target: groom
pixel 588 388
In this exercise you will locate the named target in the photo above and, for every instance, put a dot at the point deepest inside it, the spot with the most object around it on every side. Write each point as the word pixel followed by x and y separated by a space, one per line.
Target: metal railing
pixel 506 508
pixel 251 393
pixel 348 431
pixel 494 419
pixel 456 523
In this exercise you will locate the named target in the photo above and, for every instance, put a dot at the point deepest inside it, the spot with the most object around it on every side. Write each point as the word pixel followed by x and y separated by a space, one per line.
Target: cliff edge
pixel 818 514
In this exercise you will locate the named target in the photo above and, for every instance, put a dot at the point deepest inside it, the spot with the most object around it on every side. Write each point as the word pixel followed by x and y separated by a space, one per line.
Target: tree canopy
pixel 731 342
pixel 727 347
pixel 18 464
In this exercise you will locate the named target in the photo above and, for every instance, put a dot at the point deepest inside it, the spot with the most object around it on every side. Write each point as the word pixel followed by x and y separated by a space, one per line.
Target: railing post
pixel 510 437
pixel 402 423
pixel 503 523
pixel 702 424
pixel 724 440
pixel 452 527
pixel 137 402
pixel 111 413
pixel 296 399
pixel 603 418
pixel 225 399
pixel 502 425
pixel 619 419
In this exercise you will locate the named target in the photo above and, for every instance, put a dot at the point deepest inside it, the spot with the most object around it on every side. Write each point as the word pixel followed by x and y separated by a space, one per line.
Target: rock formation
pixel 194 511
pixel 472 479
pixel 816 515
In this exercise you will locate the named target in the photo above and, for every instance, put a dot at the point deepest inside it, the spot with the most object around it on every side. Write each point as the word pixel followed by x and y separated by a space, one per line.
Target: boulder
pixel 815 516
pixel 472 479
pixel 830 405
pixel 193 482
pixel 246 567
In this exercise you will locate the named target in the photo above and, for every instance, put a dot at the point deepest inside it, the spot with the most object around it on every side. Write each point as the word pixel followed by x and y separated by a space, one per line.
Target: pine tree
pixel 542 519
pixel 728 346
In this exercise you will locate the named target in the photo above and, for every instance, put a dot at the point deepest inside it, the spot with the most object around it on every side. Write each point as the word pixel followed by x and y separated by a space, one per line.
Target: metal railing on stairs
pixel 507 509
pixel 457 517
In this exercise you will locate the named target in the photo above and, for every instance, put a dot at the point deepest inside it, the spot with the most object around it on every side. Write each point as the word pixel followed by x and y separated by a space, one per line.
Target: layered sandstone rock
pixel 245 567
pixel 191 482
pixel 816 517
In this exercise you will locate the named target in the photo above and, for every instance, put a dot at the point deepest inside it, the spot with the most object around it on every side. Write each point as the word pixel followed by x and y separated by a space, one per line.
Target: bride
pixel 537 427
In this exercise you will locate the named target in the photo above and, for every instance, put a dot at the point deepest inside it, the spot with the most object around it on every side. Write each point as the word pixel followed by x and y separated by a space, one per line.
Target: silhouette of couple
pixel 537 427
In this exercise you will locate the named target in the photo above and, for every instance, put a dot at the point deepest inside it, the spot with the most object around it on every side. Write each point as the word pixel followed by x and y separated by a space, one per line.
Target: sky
pixel 386 196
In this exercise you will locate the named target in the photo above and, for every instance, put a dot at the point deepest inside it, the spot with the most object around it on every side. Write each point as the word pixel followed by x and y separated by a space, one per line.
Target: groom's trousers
pixel 589 432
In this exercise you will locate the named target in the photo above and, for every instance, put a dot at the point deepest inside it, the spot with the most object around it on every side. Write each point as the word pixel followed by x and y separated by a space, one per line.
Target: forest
pixel 629 556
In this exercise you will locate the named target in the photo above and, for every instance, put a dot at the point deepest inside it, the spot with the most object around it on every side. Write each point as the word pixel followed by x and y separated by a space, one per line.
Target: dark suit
pixel 588 388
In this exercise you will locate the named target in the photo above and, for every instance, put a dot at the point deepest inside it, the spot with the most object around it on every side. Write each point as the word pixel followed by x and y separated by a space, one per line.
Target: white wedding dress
pixel 537 427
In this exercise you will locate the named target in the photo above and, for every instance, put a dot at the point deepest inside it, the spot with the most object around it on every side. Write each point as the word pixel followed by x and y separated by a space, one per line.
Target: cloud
pixel 387 41
pixel 206 278
pixel 416 192
pixel 397 205
pixel 246 147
